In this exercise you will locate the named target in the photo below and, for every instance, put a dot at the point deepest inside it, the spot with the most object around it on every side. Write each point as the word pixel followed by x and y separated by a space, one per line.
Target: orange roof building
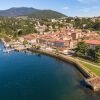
pixel 93 42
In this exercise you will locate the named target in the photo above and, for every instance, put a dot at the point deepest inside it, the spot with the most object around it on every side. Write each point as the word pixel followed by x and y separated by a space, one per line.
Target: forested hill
pixel 31 12
pixel 46 14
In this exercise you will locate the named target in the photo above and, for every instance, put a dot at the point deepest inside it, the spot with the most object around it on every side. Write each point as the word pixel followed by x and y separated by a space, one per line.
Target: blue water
pixel 39 77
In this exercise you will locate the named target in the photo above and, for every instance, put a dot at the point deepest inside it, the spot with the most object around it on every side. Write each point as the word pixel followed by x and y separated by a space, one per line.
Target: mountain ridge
pixel 30 12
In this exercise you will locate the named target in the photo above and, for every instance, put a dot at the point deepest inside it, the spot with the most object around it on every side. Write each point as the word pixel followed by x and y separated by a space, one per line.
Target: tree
pixel 81 49
pixel 96 25
pixel 91 54
pixel 25 42
pixel 97 54
pixel 38 47
pixel 98 33
pixel 15 35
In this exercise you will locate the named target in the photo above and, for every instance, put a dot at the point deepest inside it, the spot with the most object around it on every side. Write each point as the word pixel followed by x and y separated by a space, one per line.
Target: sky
pixel 82 8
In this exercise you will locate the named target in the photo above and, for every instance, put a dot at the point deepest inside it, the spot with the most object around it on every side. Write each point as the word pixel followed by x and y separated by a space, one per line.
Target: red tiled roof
pixel 29 37
pixel 59 41
pixel 96 42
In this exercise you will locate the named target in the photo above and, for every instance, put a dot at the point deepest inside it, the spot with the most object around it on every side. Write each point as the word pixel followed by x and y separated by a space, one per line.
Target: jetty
pixel 93 83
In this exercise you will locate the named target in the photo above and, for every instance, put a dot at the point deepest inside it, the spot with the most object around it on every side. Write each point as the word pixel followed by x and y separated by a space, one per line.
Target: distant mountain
pixel 31 12
pixel 46 14
pixel 17 11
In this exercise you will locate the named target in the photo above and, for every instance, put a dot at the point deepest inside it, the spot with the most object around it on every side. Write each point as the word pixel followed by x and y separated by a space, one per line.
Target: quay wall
pixel 64 58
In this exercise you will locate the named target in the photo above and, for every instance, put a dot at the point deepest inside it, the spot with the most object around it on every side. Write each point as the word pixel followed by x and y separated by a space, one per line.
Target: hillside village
pixel 64 39
pixel 62 35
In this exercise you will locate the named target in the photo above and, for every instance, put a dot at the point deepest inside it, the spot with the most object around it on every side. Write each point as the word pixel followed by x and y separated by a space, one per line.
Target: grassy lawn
pixel 92 68
pixel 98 64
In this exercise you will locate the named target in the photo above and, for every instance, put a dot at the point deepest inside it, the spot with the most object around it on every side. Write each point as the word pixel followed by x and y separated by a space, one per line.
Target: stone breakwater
pixel 93 83
pixel 91 79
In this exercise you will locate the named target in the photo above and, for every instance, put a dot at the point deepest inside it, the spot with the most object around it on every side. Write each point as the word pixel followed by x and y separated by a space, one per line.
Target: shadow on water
pixel 86 88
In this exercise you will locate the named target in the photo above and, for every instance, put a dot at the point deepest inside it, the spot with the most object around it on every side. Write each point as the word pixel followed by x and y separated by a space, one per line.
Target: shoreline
pixel 66 59
pixel 89 76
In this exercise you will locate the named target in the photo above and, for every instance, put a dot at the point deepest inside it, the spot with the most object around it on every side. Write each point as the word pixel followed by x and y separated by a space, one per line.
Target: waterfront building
pixel 31 38
pixel 92 43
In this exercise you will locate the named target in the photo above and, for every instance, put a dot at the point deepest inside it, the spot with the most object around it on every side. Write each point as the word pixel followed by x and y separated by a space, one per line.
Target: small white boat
pixel 7 50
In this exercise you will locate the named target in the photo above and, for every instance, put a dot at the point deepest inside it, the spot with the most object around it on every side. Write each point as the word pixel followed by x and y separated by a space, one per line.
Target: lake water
pixel 39 77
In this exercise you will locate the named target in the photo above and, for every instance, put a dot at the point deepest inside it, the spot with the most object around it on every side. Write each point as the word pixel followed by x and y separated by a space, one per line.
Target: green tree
pixel 97 54
pixel 38 47
pixel 91 54
pixel 96 25
pixel 81 49
pixel 25 42
pixel 15 35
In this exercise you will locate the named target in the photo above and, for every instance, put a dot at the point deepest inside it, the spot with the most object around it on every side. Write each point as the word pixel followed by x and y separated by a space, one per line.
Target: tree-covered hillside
pixel 31 12
pixel 41 14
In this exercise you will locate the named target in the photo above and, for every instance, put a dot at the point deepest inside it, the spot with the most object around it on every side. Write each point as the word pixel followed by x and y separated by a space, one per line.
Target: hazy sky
pixel 68 7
